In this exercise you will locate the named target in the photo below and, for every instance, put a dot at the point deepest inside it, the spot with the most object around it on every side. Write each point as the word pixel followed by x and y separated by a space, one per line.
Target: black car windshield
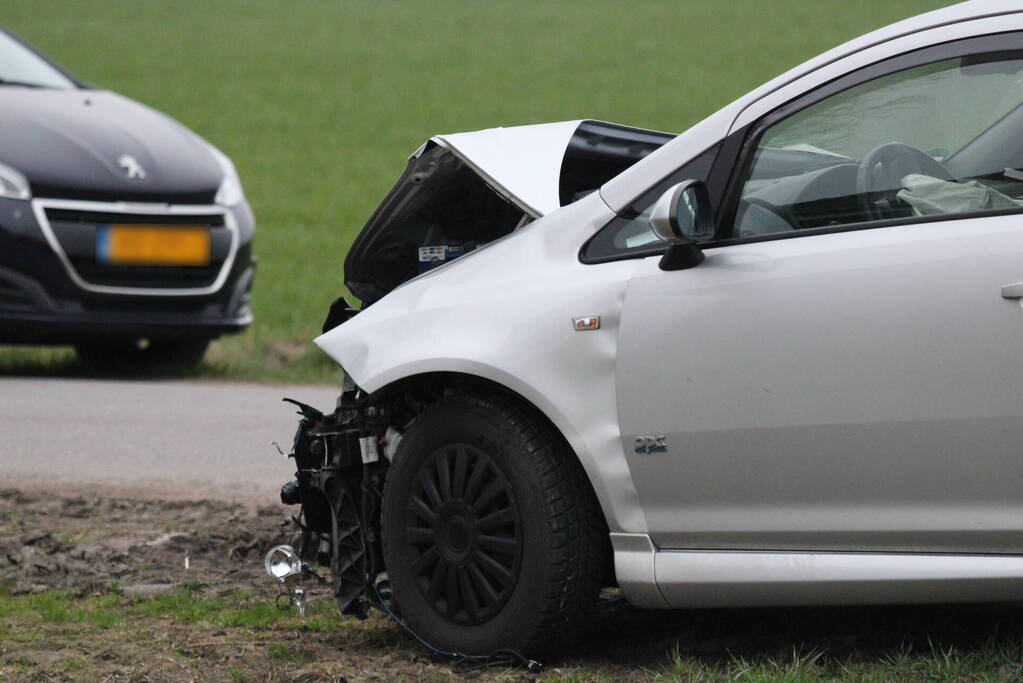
pixel 20 66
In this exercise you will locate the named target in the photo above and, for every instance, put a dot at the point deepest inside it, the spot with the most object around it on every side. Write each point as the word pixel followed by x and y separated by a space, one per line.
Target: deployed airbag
pixel 932 196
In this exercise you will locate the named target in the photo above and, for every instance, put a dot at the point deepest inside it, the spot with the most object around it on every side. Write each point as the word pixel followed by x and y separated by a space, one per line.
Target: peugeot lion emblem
pixel 131 167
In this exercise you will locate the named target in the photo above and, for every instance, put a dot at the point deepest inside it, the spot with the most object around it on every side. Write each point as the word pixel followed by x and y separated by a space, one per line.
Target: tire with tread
pixel 563 544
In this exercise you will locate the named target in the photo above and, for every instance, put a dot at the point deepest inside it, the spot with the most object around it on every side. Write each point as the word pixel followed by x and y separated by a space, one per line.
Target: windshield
pixel 21 66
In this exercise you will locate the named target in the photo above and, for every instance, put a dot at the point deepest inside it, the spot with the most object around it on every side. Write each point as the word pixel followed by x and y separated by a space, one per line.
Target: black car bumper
pixel 51 293
pixel 70 321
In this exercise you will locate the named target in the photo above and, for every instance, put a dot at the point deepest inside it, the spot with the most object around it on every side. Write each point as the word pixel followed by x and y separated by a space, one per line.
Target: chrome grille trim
pixel 39 207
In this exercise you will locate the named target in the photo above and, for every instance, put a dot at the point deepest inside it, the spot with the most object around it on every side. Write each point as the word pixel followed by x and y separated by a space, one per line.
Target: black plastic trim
pixel 691 170
pixel 681 257
pixel 855 227
pixel 39 328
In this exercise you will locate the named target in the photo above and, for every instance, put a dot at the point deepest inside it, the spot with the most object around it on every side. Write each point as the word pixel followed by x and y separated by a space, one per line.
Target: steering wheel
pixel 880 175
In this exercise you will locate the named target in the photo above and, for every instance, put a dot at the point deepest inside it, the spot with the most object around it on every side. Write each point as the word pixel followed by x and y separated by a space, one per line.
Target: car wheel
pixel 492 536
pixel 122 355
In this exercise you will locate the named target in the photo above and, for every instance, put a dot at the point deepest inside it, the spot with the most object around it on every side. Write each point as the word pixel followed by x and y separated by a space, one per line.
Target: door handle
pixel 1013 291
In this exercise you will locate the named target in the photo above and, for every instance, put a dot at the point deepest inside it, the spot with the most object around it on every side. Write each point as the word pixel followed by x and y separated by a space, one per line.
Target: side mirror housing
pixel 679 218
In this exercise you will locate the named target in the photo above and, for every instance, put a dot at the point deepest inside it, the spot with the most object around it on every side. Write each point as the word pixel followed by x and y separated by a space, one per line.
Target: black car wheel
pixel 492 535
pixel 128 355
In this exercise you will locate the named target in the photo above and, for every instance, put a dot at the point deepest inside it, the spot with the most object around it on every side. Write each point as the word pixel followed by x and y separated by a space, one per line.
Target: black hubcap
pixel 462 534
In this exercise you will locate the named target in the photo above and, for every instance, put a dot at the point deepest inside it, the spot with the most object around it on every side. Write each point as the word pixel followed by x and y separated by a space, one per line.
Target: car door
pixel 843 370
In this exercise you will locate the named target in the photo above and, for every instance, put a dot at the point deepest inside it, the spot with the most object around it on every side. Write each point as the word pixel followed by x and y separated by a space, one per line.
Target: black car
pixel 121 231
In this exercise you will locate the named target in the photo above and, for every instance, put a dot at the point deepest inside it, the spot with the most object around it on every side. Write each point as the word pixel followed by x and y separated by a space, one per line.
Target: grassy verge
pixel 186 633
pixel 240 635
pixel 320 103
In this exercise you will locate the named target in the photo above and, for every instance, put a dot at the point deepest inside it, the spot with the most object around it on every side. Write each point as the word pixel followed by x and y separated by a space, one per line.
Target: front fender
pixel 505 315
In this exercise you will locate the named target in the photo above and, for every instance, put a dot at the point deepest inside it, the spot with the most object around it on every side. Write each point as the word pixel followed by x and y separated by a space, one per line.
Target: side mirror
pixel 680 217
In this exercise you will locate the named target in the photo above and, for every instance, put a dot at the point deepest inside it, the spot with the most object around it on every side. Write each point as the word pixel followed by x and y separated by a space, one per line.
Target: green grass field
pixel 319 103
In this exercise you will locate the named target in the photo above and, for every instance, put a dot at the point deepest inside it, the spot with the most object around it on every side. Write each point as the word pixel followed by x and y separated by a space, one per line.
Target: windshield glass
pixel 21 66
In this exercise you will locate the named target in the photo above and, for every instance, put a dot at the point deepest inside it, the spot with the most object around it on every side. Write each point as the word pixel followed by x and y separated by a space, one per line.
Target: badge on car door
pixel 651 444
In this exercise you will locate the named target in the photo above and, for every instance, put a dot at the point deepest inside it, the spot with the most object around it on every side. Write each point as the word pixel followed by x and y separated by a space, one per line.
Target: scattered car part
pixel 281 562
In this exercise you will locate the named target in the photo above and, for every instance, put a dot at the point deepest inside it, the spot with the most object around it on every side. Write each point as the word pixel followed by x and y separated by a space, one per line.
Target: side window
pixel 942 138
pixel 630 235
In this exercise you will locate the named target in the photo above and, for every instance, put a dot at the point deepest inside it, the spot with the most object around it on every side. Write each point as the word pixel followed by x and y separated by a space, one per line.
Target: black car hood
pixel 68 144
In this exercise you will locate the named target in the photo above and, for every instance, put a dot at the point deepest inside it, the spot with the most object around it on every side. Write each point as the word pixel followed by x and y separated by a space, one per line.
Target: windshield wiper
pixel 24 84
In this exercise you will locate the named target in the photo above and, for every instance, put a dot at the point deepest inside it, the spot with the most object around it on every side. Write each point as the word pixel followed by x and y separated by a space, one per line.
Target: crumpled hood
pixel 523 163
pixel 465 189
pixel 68 144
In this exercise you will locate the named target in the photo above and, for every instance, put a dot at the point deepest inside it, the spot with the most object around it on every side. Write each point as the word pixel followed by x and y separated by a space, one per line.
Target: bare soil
pixel 137 550
pixel 187 577
pixel 88 543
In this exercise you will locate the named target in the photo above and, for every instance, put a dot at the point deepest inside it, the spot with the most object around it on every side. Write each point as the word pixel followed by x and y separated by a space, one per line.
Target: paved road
pixel 181 439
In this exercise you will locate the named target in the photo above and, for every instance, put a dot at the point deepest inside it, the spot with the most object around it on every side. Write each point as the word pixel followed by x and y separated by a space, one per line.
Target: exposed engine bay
pixel 341 460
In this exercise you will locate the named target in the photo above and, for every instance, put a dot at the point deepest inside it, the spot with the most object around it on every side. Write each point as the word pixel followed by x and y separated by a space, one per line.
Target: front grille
pixel 76 232
pixel 163 277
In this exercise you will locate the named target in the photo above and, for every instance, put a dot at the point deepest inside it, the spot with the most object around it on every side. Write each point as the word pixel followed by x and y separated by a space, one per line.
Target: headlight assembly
pixel 13 185
pixel 230 192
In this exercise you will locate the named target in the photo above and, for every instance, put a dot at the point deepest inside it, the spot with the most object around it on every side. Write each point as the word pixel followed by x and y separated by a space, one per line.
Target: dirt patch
pixel 101 587
pixel 90 543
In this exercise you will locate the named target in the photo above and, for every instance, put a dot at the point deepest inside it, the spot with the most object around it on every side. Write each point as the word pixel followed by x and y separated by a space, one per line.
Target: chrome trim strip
pixel 39 207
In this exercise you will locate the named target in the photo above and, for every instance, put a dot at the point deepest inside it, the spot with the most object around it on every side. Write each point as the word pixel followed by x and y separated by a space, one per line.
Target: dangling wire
pixel 506 658
pixel 400 622
pixel 466 663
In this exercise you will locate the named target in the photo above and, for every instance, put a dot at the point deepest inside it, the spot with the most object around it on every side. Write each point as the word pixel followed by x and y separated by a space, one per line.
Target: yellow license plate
pixel 153 245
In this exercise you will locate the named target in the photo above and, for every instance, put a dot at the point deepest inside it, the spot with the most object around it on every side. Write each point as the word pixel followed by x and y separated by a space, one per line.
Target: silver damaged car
pixel 773 360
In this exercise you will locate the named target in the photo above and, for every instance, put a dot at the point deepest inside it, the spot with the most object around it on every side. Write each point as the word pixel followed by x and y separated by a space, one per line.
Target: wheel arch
pixel 446 381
